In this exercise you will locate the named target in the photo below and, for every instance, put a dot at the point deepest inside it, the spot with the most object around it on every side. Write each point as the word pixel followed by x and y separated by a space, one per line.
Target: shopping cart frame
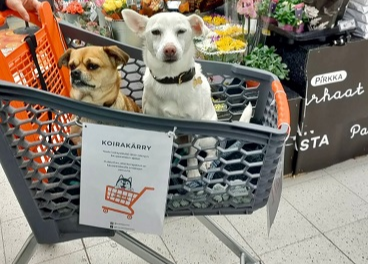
pixel 11 91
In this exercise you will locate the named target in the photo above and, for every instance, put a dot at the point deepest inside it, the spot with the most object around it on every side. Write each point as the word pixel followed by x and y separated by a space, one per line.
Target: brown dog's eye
pixel 156 32
pixel 92 66
pixel 72 66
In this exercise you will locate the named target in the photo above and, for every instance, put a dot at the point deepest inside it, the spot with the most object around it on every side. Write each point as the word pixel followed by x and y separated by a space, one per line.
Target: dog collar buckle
pixel 180 81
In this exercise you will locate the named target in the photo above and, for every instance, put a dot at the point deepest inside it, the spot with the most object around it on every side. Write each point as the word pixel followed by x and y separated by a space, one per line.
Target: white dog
pixel 174 85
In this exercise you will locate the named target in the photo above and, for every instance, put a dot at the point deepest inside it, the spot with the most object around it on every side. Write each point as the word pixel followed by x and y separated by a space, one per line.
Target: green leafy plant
pixel 293 2
pixel 285 13
pixel 266 58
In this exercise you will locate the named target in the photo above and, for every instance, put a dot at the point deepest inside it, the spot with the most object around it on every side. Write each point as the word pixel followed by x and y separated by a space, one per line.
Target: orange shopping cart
pixel 123 197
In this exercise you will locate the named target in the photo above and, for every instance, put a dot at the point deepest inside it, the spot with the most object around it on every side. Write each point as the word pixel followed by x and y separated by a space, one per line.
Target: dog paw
pixel 206 166
pixel 193 174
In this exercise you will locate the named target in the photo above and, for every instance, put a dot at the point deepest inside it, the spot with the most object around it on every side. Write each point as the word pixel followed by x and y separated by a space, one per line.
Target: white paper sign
pixel 275 194
pixel 124 178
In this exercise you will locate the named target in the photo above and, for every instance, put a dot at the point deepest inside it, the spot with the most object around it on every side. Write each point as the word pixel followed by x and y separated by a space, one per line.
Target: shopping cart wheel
pixel 105 210
pixel 129 217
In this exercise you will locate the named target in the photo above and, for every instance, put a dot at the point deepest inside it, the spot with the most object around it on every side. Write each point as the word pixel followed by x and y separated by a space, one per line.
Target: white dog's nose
pixel 170 50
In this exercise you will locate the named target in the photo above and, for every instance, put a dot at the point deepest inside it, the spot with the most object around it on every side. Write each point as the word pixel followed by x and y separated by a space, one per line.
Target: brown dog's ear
pixel 117 55
pixel 64 59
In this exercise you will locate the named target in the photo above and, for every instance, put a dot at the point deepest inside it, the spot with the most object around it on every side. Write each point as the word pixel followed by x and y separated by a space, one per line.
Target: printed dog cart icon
pixel 123 196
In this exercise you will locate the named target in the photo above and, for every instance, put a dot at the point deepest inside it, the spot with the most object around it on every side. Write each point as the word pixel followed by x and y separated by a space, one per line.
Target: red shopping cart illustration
pixel 124 197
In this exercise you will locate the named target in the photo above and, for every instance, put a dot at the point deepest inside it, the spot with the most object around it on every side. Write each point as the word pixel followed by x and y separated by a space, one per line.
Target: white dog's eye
pixel 92 66
pixel 181 31
pixel 156 32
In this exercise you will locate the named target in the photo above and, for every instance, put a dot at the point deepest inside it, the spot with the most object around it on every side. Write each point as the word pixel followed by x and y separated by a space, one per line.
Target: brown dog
pixel 95 79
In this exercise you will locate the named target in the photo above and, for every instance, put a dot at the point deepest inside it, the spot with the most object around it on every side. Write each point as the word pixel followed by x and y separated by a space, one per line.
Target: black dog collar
pixel 181 78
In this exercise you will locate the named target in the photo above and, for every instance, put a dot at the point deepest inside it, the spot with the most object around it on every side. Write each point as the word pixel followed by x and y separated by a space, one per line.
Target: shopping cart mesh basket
pixel 43 165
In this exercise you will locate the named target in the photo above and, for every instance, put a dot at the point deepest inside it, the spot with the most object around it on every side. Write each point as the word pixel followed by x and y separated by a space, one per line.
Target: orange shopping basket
pixel 124 198
pixel 19 66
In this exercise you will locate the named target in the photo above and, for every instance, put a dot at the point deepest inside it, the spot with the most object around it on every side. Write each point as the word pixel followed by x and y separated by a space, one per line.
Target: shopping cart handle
pixel 33 16
pixel 282 105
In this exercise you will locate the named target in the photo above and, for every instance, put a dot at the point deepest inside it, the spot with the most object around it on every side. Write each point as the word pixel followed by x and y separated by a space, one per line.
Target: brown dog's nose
pixel 76 74
pixel 170 50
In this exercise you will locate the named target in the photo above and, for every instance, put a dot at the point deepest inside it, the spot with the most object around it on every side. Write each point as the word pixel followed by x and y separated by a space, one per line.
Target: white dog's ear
pixel 198 26
pixel 136 22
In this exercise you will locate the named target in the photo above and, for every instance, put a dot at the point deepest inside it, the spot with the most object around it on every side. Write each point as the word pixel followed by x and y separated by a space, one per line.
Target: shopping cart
pixel 43 167
pixel 124 198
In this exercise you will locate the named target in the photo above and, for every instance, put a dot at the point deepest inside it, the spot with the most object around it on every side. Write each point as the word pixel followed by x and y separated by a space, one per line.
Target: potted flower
pixel 231 30
pixel 214 20
pixel 113 8
pixel 150 7
pixel 290 15
pixel 248 10
pixel 112 11
pixel 76 12
pixel 84 15
pixel 221 48
pixel 96 28
pixel 266 8
pixel 266 58
pixel 285 16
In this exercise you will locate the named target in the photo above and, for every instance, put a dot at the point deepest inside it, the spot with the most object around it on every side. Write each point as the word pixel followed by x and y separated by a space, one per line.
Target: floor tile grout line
pixel 343 226
pixel 309 180
pixel 341 184
pixel 291 244
pixel 59 257
pixel 348 188
pixel 353 262
pixel 2 239
pixel 168 250
pixel 353 163
pixel 85 251
pixel 296 209
pixel 63 255
pixel 325 170
pixel 14 219
pixel 322 233
pixel 246 242
pixel 266 252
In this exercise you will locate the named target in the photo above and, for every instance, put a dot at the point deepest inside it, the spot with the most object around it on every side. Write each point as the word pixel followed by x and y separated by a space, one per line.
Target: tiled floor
pixel 322 218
